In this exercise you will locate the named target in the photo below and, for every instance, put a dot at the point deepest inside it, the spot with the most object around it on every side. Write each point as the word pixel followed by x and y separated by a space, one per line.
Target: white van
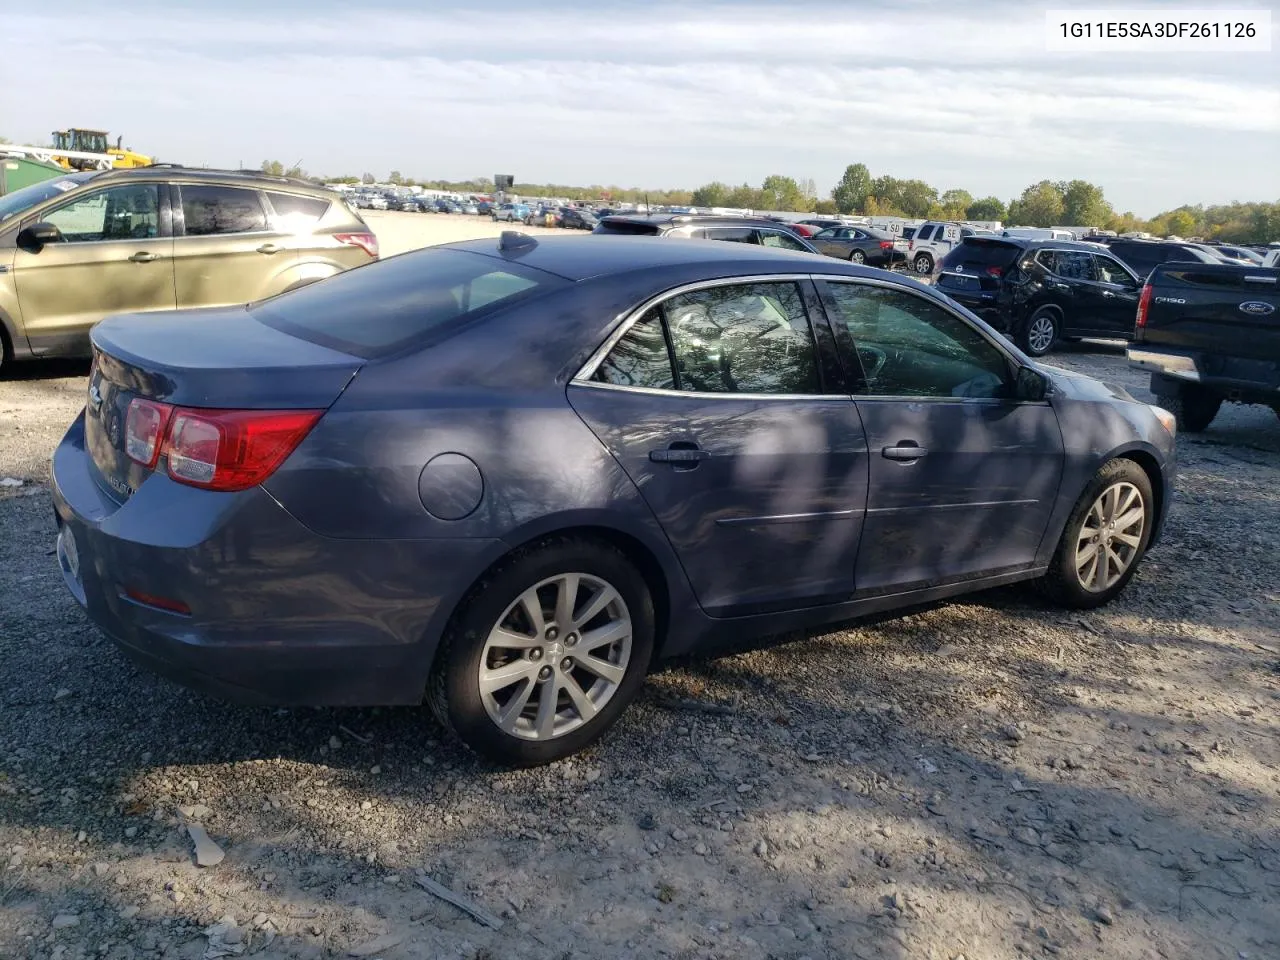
pixel 1038 233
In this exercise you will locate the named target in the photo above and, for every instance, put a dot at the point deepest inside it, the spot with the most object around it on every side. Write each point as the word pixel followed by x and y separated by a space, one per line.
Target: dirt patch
pixel 985 779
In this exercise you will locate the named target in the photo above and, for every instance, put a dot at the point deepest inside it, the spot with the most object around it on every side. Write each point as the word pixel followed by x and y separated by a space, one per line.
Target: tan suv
pixel 87 245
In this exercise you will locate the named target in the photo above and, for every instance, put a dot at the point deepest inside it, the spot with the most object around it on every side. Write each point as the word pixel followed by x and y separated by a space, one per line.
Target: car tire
pixel 1077 578
pixel 923 263
pixel 1040 332
pixel 497 724
pixel 857 256
pixel 1192 406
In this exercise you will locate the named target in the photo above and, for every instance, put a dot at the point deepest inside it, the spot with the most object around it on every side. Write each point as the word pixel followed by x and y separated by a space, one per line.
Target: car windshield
pixel 22 200
pixel 382 307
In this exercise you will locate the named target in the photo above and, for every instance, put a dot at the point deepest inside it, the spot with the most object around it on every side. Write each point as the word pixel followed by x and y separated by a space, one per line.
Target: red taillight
pixel 995 271
pixel 886 244
pixel 365 241
pixel 144 428
pixel 1144 303
pixel 232 449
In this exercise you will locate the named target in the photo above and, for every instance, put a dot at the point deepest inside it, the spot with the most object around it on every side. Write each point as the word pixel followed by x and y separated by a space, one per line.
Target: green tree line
pixel 1047 203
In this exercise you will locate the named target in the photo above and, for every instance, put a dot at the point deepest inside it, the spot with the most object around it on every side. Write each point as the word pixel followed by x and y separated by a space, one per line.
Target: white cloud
pixel 653 95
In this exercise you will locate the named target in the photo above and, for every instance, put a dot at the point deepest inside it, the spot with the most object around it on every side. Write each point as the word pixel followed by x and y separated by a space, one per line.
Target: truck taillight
pixel 1144 304
pixel 223 450
pixel 365 241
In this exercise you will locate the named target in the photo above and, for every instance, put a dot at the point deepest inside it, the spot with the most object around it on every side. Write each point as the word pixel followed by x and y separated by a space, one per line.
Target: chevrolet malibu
pixel 505 477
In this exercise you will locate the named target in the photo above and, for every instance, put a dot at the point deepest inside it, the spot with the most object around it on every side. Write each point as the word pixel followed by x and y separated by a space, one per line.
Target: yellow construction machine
pixel 75 140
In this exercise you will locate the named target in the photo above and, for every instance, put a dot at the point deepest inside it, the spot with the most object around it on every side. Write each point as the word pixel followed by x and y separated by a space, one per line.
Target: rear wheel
pixel 923 263
pixel 1105 538
pixel 1040 332
pixel 1192 405
pixel 857 256
pixel 546 654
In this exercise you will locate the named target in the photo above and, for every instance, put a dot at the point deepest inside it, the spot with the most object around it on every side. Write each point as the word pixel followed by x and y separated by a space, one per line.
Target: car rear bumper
pixel 1230 374
pixel 277 614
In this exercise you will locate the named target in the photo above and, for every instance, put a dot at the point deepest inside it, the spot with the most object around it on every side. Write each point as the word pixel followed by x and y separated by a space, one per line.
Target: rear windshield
pixel 982 252
pixel 631 227
pixel 382 307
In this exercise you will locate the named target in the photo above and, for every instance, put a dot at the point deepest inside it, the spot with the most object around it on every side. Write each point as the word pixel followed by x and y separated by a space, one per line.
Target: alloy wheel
pixel 1110 537
pixel 1041 334
pixel 555 657
pixel 858 256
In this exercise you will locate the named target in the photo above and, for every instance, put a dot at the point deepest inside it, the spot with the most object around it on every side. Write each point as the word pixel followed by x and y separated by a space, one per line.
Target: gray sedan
pixel 857 245
pixel 505 477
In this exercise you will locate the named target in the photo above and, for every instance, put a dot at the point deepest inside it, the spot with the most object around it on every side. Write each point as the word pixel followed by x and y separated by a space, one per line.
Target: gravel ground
pixel 985 779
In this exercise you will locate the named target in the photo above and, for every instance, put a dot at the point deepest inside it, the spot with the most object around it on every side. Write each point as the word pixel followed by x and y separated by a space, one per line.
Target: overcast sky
pixel 647 94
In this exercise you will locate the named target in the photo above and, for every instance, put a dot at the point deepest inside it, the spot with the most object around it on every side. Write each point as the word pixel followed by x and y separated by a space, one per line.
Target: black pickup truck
pixel 1209 333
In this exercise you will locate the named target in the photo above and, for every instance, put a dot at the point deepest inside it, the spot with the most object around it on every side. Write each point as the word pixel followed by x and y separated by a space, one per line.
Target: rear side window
pixel 925 232
pixel 731 234
pixel 784 241
pixel 628 227
pixel 293 211
pixel 384 306
pixel 210 210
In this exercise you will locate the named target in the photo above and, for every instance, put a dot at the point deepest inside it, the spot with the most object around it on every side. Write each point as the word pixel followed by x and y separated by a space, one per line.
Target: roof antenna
pixel 515 240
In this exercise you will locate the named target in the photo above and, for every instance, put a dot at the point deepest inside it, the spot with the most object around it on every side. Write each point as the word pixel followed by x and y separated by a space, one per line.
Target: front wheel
pixel 1040 333
pixel 1105 538
pixel 923 263
pixel 546 654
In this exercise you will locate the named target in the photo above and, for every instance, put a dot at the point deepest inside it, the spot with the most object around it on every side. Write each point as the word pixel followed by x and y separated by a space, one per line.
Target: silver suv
pixel 932 241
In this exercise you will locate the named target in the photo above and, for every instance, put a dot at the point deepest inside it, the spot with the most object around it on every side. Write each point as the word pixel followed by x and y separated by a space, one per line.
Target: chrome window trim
pixel 588 370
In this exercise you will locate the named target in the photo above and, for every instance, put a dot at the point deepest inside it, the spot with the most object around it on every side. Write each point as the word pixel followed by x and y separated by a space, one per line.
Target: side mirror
pixel 37 235
pixel 1030 385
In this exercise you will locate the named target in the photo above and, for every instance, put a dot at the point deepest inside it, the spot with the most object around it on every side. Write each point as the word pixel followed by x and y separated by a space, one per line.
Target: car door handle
pixel 142 256
pixel 269 248
pixel 679 455
pixel 905 451
pixel 1108 293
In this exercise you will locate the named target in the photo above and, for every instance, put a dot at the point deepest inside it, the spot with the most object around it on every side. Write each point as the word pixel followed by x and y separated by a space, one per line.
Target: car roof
pixel 1028 243
pixel 175 171
pixel 584 257
pixel 662 219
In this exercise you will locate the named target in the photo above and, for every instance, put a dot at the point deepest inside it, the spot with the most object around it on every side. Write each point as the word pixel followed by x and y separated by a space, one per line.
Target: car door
pixel 833 241
pixel 1118 303
pixel 1067 284
pixel 715 404
pixel 962 476
pixel 116 256
pixel 225 250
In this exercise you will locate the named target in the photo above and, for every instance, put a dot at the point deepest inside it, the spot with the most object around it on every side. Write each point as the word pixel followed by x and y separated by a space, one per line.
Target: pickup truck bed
pixel 1209 333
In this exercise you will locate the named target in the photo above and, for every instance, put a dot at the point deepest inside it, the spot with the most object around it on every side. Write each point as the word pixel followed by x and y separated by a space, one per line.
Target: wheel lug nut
pixel 570 640
pixel 566 663
pixel 535 653
pixel 552 633
pixel 544 673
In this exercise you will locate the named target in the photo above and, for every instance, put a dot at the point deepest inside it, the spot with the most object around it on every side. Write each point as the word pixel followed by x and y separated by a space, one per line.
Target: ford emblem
pixel 1256 308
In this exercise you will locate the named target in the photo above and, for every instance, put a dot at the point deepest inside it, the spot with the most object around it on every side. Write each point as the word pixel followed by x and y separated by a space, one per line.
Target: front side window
pixel 784 241
pixel 211 210
pixel 1111 272
pixel 119 213
pixel 910 347
pixel 745 338
pixel 925 233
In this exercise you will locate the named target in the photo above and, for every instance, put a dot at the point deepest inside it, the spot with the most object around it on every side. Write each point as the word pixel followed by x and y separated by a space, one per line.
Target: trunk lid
pixel 218 358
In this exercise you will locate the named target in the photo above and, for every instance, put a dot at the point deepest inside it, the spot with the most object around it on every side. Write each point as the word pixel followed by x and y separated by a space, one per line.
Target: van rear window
pixel 382 307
